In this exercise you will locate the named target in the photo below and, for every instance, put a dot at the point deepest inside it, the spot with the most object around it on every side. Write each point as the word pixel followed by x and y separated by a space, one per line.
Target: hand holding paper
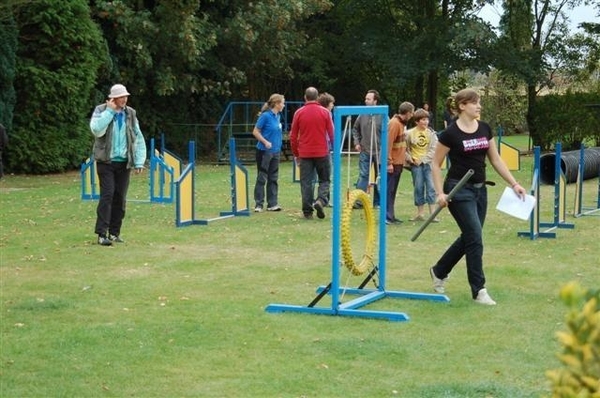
pixel 511 204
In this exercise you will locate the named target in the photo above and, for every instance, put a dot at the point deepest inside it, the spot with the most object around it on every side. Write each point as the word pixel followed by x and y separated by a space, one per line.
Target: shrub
pixel 580 375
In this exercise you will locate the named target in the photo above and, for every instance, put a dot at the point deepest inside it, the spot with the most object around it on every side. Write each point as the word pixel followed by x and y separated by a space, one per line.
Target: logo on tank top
pixel 476 144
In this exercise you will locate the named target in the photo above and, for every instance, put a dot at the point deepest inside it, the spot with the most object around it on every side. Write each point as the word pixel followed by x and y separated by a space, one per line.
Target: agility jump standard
pixel 579 209
pixel 559 204
pixel 165 168
pixel 185 188
pixel 353 308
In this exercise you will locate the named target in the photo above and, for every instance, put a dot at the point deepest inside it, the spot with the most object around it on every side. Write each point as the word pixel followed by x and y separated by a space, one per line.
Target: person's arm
pixel 258 135
pixel 356 134
pixel 431 148
pixel 393 133
pixel 139 147
pixel 330 128
pixel 441 151
pixel 101 118
pixel 408 158
pixel 257 132
pixel 294 136
pixel 500 167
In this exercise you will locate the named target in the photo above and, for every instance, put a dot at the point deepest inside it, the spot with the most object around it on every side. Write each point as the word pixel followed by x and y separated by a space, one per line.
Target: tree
pixel 59 52
pixel 188 58
pixel 8 48
pixel 531 48
pixel 406 50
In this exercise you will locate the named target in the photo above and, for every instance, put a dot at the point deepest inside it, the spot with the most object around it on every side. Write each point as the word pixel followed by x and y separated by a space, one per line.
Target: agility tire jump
pixel 367 262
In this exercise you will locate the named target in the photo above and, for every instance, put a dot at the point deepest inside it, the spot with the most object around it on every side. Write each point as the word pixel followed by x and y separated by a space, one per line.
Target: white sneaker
pixel 484 298
pixel 258 209
pixel 438 284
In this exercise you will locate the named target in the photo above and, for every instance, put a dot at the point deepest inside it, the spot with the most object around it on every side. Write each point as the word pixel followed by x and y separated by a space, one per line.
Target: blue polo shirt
pixel 270 127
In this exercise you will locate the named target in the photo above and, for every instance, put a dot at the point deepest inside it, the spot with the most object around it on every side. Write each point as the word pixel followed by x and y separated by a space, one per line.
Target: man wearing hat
pixel 119 146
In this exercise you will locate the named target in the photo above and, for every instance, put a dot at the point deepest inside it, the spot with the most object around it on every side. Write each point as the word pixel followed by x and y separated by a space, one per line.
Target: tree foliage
pixel 58 55
pixel 182 61
pixel 8 48
pixel 532 48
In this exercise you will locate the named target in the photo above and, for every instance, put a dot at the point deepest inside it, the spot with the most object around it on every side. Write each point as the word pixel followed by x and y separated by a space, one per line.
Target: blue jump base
pixel 353 308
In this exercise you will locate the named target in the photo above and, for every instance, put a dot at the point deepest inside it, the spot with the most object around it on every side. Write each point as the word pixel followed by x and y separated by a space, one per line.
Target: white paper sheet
pixel 511 204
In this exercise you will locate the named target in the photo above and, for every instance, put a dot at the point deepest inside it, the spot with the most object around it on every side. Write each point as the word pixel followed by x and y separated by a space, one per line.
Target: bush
pixel 580 376
pixel 60 51
pixel 567 119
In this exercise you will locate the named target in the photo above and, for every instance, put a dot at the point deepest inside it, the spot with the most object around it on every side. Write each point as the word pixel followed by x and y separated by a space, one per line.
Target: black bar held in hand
pixel 437 210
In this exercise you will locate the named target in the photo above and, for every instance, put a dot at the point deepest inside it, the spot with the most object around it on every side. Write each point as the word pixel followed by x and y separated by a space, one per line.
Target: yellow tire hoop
pixel 367 261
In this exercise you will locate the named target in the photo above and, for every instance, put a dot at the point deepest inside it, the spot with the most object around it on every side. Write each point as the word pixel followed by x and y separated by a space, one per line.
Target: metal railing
pixel 238 120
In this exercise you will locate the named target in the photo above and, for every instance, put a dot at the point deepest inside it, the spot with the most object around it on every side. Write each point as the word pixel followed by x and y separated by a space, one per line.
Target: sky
pixel 576 16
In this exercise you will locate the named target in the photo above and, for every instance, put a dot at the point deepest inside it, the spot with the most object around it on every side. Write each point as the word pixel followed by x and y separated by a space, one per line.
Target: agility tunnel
pixel 569 163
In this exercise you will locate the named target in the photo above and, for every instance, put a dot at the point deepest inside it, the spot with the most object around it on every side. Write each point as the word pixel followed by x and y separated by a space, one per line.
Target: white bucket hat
pixel 117 91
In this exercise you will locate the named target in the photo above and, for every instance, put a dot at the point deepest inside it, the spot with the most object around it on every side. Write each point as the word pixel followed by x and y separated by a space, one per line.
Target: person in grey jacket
pixel 119 147
pixel 366 134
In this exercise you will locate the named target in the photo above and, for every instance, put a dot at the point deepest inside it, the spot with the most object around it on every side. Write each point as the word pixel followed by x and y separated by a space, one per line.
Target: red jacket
pixel 312 131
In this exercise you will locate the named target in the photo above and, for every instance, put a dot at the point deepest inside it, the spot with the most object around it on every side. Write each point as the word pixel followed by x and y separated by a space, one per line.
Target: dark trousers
pixel 392 189
pixel 267 165
pixel 114 182
pixel 308 168
pixel 468 207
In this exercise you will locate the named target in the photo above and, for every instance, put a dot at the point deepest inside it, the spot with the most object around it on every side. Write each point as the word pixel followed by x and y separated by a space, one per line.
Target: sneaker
pixel 274 208
pixel 438 284
pixel 104 241
pixel 258 209
pixel 418 217
pixel 436 220
pixel 319 208
pixel 484 298
pixel 397 221
pixel 115 238
pixel 308 216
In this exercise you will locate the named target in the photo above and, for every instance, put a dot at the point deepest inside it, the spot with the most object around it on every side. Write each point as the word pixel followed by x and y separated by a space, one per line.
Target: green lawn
pixel 180 312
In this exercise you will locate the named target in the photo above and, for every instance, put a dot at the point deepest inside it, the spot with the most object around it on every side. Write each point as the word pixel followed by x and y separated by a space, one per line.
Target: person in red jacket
pixel 312 130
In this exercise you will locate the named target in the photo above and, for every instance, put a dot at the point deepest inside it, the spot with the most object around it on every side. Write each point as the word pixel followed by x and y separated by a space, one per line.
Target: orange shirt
pixel 396 143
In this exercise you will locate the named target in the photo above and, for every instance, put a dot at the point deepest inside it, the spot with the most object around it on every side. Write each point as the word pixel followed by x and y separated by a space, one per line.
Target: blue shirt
pixel 270 127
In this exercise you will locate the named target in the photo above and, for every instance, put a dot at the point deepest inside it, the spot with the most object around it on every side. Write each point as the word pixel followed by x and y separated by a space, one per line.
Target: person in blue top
pixel 119 146
pixel 269 134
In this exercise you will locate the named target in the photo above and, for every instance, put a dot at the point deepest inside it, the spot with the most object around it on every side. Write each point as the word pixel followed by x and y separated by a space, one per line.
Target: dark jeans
pixel 267 165
pixel 392 189
pixel 308 168
pixel 469 208
pixel 114 182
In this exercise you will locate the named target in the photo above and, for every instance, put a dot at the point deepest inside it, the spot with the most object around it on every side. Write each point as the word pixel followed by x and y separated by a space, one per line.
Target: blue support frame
pixel 353 307
pixel 579 209
pixel 235 165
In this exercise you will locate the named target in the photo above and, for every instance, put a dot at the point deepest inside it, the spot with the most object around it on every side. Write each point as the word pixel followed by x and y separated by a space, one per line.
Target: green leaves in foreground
pixel 580 376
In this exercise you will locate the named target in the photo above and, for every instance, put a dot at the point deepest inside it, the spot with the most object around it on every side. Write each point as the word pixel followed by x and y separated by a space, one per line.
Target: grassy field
pixel 180 312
